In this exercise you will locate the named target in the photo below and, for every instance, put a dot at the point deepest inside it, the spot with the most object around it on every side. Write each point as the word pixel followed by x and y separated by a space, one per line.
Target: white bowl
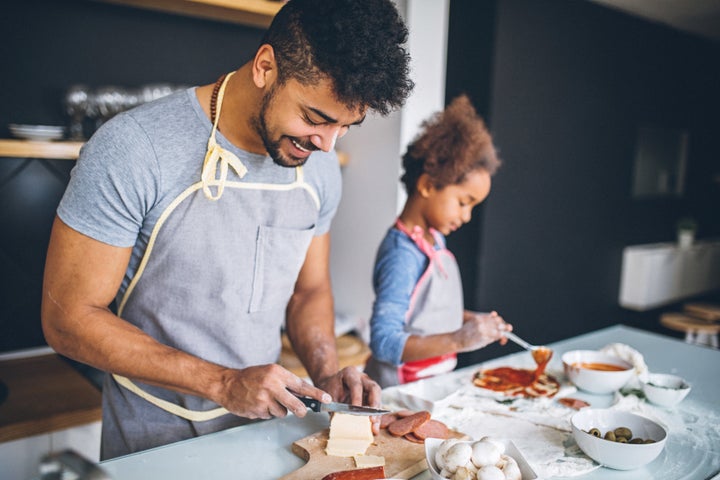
pixel 576 362
pixel 664 389
pixel 432 444
pixel 620 456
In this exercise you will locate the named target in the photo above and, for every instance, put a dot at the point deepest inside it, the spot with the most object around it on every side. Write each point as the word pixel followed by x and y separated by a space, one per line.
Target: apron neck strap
pixel 417 235
pixel 217 155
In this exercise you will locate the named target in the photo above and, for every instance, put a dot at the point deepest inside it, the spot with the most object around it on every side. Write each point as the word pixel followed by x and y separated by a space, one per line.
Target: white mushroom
pixel 510 469
pixel 457 456
pixel 498 443
pixel 445 474
pixel 485 452
pixel 442 451
pixel 490 472
pixel 462 473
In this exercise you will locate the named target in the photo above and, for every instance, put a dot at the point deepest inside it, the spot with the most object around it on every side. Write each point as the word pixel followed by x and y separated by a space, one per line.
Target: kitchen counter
pixel 263 450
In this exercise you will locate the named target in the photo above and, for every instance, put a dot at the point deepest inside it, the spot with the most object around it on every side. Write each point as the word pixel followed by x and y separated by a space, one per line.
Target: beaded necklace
pixel 213 98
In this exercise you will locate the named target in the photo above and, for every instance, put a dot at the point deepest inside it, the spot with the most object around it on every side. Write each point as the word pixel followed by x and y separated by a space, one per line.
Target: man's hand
pixel 349 385
pixel 264 391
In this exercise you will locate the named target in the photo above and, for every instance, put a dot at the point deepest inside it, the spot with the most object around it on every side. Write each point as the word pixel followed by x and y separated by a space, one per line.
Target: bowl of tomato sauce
pixel 596 372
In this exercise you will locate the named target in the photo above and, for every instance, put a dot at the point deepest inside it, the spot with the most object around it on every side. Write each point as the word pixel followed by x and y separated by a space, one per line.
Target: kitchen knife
pixel 317 406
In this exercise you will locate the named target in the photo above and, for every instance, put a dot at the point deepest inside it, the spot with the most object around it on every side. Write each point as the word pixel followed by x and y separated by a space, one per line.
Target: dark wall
pixel 571 82
pixel 46 46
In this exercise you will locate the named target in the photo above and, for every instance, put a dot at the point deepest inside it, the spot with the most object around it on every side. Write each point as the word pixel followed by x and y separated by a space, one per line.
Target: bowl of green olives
pixel 664 389
pixel 617 439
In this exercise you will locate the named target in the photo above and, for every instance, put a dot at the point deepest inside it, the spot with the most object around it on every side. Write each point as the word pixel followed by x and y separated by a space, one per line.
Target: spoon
pixel 540 354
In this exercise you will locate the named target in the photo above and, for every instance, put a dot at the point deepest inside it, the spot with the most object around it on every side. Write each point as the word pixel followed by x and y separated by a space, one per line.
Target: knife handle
pixel 311 403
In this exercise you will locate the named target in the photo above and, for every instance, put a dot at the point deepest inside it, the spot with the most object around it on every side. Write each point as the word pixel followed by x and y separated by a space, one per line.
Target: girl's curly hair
pixel 451 144
pixel 357 44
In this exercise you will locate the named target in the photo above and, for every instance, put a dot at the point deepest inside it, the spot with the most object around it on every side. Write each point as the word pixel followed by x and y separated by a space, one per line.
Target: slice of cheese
pixel 367 461
pixel 349 435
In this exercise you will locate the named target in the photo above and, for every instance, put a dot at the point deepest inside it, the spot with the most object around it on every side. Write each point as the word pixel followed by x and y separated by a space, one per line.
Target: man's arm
pixel 310 327
pixel 82 276
pixel 310 318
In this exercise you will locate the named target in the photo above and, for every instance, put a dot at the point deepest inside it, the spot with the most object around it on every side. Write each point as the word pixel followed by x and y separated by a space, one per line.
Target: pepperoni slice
pixel 371 473
pixel 413 438
pixel 387 419
pixel 432 429
pixel 408 424
pixel 575 403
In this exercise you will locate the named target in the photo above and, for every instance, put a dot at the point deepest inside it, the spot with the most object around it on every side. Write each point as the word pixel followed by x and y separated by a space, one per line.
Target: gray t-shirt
pixel 141 160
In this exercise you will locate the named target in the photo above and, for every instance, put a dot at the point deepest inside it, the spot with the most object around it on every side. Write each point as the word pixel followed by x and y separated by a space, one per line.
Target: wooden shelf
pixel 254 13
pixel 66 150
pixel 35 149
pixel 45 394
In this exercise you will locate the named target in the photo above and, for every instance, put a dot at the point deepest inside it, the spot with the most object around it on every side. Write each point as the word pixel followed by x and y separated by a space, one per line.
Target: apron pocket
pixel 279 255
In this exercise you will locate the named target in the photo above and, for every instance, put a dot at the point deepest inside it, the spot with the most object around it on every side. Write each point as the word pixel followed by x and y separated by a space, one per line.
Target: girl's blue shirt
pixel 398 267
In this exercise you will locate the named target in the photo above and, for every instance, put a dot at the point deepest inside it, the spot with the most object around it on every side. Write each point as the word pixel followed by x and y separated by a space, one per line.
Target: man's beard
pixel 273 146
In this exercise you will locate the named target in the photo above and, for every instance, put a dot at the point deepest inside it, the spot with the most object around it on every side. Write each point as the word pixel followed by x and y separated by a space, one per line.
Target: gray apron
pixel 246 243
pixel 436 306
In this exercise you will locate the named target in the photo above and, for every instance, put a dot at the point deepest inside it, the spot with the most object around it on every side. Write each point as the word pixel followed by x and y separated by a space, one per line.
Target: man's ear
pixel 264 67
pixel 425 185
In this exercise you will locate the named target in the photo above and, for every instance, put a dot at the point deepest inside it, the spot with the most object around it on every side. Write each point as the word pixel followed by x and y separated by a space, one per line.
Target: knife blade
pixel 317 406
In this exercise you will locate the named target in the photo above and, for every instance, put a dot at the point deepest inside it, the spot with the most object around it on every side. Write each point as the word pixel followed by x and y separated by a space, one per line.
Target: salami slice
pixel 408 424
pixel 371 473
pixel 413 438
pixel 387 419
pixel 432 429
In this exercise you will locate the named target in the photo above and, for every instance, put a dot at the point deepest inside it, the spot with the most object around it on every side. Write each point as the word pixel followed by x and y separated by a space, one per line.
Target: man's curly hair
pixel 451 144
pixel 357 44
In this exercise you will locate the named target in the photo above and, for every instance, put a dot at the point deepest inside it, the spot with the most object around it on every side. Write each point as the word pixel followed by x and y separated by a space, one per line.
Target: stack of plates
pixel 37 132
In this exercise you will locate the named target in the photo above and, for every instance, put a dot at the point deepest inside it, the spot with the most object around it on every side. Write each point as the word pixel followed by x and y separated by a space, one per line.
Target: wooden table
pixel 45 394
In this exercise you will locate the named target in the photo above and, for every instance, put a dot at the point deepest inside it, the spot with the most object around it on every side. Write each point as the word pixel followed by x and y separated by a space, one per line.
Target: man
pixel 204 216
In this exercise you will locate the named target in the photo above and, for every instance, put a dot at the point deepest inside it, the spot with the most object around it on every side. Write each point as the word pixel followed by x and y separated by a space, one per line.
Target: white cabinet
pixel 19 459
pixel 661 273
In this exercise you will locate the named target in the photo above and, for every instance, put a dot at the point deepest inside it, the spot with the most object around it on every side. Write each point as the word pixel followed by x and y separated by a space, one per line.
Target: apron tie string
pixel 216 154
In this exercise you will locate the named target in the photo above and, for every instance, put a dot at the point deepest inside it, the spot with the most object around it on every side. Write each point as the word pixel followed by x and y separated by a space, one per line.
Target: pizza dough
pixel 517 382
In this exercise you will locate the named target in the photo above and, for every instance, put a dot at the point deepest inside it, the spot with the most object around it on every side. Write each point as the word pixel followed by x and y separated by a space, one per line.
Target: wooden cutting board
pixel 403 458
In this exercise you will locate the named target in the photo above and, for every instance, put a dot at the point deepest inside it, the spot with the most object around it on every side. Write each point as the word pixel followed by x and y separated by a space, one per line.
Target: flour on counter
pixel 539 427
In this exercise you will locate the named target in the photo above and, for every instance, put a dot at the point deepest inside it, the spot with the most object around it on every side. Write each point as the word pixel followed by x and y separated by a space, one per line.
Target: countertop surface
pixel 263 450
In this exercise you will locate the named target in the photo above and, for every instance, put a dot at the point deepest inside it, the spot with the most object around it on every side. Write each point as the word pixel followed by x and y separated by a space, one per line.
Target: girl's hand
pixel 481 329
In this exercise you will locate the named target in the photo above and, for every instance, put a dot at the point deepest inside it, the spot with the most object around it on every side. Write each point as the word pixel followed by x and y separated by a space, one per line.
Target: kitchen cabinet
pixel 254 13
pixel 657 274
pixel 49 407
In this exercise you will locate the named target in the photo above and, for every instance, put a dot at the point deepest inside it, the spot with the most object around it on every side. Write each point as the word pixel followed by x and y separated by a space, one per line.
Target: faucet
pixel 57 466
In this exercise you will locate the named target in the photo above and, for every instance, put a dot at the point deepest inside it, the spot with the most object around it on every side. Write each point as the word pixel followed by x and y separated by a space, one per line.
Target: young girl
pixel 418 322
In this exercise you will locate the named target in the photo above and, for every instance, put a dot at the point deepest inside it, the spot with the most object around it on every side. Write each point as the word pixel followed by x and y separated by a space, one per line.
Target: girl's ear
pixel 425 185
pixel 264 67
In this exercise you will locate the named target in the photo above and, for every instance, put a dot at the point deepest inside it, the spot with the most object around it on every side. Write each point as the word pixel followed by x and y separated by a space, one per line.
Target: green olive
pixel 621 440
pixel 637 440
pixel 610 435
pixel 623 432
pixel 595 432
pixel 649 440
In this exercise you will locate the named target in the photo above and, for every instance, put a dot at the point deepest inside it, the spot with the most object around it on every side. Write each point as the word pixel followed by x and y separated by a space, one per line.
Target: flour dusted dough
pixel 350 435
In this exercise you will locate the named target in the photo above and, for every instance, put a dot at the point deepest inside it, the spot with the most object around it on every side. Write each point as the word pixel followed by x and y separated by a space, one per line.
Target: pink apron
pixel 436 306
